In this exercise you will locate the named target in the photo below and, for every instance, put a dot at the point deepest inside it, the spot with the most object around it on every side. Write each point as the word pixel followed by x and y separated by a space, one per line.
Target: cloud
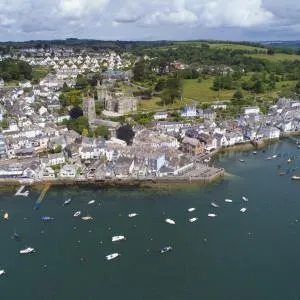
pixel 161 19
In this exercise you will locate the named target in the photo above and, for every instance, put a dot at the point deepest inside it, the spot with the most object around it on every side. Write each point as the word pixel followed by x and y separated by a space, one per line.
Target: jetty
pixel 21 192
pixel 41 197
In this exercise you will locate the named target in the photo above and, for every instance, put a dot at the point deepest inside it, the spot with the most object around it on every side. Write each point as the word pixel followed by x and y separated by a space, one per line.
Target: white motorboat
pixel 132 215
pixel 214 204
pixel 212 215
pixel 228 200
pixel 170 221
pixel 77 214
pixel 193 220
pixel 191 209
pixel 166 249
pixel 27 250
pixel 118 238
pixel 244 198
pixel 5 217
pixel 112 256
pixel 243 209
pixel 91 202
pixel 274 156
pixel 68 201
pixel 2 272
pixel 86 218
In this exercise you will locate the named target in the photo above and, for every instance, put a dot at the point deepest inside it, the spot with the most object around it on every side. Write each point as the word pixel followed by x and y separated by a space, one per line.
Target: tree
pixel 139 71
pixel 57 149
pixel 125 133
pixel 81 82
pixel 75 112
pixel 85 132
pixel 271 51
pixel 102 131
pixel 238 95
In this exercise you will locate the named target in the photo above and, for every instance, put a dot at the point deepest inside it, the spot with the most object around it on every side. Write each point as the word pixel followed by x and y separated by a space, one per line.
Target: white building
pixel 251 110
pixel 68 171
pixel 160 116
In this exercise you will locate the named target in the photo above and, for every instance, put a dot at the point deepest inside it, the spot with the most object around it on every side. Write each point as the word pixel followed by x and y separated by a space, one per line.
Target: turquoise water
pixel 234 256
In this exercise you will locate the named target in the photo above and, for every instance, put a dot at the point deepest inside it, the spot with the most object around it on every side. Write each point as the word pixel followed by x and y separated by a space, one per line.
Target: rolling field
pixel 276 56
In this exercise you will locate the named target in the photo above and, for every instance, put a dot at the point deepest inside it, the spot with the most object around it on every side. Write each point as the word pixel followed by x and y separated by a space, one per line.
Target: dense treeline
pixel 15 70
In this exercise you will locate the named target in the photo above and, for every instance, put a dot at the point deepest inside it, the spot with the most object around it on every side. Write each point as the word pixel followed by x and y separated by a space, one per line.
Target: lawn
pixel 194 90
pixel 276 56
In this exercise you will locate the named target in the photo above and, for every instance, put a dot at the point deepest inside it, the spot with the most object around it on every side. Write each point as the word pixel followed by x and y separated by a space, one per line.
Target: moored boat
pixel 243 209
pixel 68 201
pixel 254 152
pixel 166 249
pixel 2 272
pixel 91 202
pixel 228 200
pixel 112 256
pixel 212 215
pixel 77 214
pixel 5 217
pixel 242 160
pixel 27 250
pixel 118 238
pixel 86 218
pixel 191 209
pixel 170 221
pixel 244 198
pixel 132 215
pixel 192 220
pixel 295 177
pixel 46 218
pixel 214 204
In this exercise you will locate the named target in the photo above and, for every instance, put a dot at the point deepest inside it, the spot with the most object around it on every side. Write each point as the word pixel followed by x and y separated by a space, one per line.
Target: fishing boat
pixel 132 215
pixel 118 238
pixel 228 200
pixel 5 216
pixel 2 272
pixel 46 218
pixel 27 250
pixel 86 218
pixel 214 204
pixel 166 249
pixel 112 256
pixel 295 177
pixel 68 201
pixel 191 209
pixel 245 199
pixel 77 214
pixel 243 209
pixel 212 215
pixel 192 220
pixel 170 221
pixel 91 202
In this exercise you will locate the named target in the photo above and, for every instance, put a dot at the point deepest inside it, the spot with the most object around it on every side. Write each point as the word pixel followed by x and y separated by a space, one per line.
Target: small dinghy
pixel 191 209
pixel 132 215
pixel 112 256
pixel 214 204
pixel 5 217
pixel 228 200
pixel 86 218
pixel 170 221
pixel 2 272
pixel 118 238
pixel 91 202
pixel 67 202
pixel 166 249
pixel 27 250
pixel 243 209
pixel 212 215
pixel 245 199
pixel 46 218
pixel 192 220
pixel 77 214
pixel 242 160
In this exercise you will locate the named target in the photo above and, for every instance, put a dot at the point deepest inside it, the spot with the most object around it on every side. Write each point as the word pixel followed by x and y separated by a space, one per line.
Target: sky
pixel 236 20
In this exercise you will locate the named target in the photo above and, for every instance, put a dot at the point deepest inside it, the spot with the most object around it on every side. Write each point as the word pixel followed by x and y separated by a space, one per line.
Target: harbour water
pixel 254 255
